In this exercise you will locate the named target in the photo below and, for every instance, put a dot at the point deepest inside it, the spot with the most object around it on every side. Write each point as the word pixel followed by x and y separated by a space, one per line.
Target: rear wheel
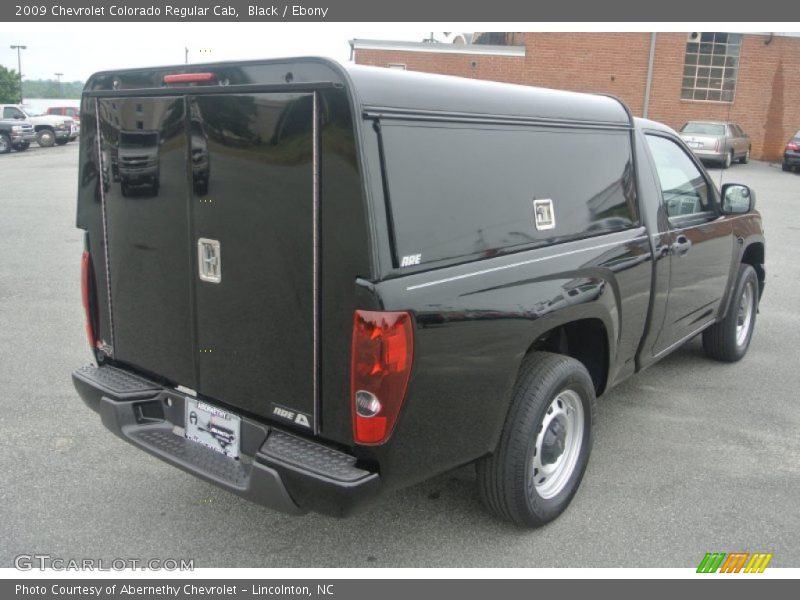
pixel 62 142
pixel 45 138
pixel 545 444
pixel 5 143
pixel 729 339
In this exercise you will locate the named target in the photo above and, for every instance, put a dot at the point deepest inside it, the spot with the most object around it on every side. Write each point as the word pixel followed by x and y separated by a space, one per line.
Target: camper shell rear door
pixel 216 277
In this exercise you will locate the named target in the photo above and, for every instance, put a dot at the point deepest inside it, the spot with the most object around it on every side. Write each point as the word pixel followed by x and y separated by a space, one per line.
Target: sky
pixel 79 49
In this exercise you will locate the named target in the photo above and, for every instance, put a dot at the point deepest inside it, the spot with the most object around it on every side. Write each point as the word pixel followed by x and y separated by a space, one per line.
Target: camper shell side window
pixel 459 191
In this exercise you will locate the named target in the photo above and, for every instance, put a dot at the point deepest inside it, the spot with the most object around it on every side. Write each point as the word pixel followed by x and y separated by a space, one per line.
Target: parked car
pixel 15 134
pixel 717 141
pixel 791 154
pixel 73 112
pixel 397 274
pixel 50 129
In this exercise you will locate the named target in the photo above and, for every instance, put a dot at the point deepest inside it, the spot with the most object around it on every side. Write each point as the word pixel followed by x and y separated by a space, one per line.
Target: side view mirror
pixel 737 199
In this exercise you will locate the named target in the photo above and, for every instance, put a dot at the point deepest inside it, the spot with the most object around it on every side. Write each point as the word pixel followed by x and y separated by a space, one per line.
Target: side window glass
pixel 683 187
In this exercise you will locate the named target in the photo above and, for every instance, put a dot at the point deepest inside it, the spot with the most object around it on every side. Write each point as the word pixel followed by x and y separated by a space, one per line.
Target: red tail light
pixel 383 348
pixel 190 78
pixel 86 291
pixel 794 146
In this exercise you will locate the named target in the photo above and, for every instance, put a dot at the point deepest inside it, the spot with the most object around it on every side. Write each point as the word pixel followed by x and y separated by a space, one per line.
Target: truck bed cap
pixel 389 90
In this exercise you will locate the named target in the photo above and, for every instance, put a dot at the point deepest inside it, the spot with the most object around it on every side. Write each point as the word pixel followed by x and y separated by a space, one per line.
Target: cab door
pixel 700 243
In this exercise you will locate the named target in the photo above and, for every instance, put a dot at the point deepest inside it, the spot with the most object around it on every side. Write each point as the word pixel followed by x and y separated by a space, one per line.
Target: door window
pixel 683 187
pixel 11 112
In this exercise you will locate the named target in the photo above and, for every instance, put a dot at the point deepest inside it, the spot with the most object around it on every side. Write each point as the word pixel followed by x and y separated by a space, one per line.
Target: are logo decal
pixel 411 260
pixel 287 414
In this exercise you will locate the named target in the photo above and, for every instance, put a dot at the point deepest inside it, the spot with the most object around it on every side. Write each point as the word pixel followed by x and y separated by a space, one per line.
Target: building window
pixel 710 66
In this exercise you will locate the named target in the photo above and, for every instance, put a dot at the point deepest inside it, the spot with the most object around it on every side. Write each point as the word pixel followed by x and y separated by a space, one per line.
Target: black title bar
pixel 608 11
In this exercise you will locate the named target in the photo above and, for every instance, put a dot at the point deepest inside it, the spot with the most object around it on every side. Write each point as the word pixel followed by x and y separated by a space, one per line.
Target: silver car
pixel 717 141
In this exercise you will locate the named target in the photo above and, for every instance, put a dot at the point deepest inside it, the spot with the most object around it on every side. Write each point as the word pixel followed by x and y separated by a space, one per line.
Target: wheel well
pixel 754 256
pixel 585 340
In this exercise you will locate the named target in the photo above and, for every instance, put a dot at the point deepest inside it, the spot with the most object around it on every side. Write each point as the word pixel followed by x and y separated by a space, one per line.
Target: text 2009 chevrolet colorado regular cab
pixel 387 275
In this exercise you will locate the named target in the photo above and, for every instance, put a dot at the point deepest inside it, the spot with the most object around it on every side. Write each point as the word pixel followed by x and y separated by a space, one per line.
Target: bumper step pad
pixel 163 442
pixel 117 382
pixel 326 462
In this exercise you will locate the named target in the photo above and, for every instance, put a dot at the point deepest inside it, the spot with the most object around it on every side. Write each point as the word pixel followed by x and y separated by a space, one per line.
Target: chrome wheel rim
pixel 744 317
pixel 3 144
pixel 558 444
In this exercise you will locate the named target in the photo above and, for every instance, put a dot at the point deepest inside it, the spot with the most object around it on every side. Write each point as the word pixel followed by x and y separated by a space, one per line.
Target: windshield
pixel 704 128
pixel 138 140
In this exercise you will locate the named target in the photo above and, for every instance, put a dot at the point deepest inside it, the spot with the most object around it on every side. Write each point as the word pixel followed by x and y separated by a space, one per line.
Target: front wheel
pixel 45 138
pixel 746 158
pixel 728 161
pixel 729 339
pixel 545 444
pixel 5 143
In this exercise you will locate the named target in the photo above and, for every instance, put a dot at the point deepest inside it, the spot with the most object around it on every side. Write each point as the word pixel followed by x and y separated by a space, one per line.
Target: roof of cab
pixel 402 90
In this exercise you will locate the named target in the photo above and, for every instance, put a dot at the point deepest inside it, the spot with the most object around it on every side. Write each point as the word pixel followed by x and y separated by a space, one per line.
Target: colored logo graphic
pixel 735 562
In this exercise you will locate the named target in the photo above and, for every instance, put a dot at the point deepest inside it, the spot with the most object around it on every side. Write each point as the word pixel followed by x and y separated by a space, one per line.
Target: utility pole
pixel 58 77
pixel 19 48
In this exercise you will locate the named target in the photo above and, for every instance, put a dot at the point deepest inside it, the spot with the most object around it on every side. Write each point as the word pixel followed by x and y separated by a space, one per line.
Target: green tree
pixel 9 86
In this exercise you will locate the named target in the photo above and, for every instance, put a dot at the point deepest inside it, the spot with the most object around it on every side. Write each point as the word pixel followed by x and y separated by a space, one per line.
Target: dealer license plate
pixel 213 427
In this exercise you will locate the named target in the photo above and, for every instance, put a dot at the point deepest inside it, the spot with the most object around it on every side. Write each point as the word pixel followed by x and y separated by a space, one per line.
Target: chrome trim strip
pixel 106 254
pixel 684 339
pixel 524 262
pixel 476 49
pixel 315 252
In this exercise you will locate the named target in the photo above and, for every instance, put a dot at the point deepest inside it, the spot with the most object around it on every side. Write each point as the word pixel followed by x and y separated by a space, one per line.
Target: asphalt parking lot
pixel 690 456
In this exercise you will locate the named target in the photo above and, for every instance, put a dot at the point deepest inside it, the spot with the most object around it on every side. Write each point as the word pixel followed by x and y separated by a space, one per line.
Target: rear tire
pixel 45 138
pixel 62 142
pixel 729 339
pixel 545 443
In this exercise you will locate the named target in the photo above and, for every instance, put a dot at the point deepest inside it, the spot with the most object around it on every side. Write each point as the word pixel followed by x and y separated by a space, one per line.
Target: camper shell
pixel 451 204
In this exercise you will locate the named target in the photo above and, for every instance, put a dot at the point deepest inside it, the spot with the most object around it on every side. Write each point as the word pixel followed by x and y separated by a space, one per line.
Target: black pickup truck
pixel 390 274
pixel 15 134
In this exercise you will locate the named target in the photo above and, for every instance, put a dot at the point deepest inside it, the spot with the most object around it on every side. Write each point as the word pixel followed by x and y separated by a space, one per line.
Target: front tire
pixel 746 158
pixel 45 138
pixel 545 444
pixel 5 143
pixel 728 160
pixel 729 339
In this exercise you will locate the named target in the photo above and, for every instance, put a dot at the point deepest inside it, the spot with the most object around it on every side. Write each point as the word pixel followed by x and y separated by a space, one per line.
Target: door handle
pixel 681 245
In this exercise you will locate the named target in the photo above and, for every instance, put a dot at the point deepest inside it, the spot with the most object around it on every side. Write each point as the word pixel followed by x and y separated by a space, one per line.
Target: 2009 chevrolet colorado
pixel 392 274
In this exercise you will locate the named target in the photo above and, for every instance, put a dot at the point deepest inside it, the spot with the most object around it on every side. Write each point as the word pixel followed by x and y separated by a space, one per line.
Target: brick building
pixel 751 79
